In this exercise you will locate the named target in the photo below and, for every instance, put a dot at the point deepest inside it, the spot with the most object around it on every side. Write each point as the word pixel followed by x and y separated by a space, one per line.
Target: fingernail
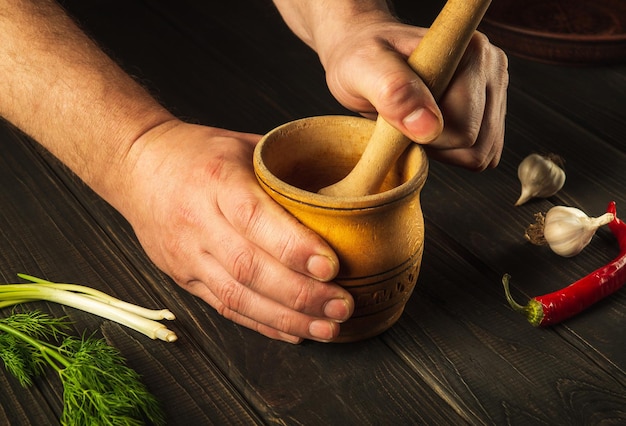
pixel 294 340
pixel 322 330
pixel 423 124
pixel 337 309
pixel 321 267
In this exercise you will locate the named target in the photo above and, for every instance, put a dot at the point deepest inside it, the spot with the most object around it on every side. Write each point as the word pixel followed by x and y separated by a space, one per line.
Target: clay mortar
pixel 378 238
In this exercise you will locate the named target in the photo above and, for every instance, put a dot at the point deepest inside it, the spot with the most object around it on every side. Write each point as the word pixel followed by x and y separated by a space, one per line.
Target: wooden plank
pixel 16 404
pixel 592 97
pixel 458 333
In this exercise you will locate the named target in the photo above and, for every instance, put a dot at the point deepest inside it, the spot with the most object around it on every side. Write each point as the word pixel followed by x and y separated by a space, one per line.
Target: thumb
pixel 405 102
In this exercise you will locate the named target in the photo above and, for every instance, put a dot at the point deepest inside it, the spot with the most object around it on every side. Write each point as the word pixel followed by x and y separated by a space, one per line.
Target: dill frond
pixel 98 387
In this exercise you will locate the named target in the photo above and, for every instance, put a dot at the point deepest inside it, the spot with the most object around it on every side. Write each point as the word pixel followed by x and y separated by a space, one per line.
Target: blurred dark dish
pixel 576 32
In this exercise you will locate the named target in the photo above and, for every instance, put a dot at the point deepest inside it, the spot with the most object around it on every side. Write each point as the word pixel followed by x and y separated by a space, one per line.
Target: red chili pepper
pixel 562 304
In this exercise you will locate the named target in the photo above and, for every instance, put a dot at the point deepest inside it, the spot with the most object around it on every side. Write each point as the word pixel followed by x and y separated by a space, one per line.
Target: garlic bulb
pixel 541 176
pixel 567 230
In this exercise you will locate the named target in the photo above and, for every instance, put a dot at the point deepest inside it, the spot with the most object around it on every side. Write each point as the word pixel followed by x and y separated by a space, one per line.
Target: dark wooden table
pixel 459 354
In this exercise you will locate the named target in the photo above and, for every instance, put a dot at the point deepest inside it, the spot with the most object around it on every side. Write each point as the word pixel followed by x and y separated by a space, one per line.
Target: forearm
pixel 60 89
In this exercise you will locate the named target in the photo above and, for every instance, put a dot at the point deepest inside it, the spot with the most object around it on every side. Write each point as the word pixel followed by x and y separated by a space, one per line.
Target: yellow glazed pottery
pixel 378 238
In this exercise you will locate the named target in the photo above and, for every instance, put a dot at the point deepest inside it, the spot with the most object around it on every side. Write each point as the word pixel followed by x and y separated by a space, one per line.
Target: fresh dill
pixel 98 387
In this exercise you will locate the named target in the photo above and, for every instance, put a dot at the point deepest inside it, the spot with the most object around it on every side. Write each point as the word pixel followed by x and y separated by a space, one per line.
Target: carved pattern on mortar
pixel 373 294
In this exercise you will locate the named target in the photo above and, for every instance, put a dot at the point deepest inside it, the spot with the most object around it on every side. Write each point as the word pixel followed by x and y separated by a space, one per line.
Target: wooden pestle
pixel 435 60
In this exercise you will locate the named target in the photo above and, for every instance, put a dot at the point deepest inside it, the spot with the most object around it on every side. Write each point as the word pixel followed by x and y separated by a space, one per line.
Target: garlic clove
pixel 540 176
pixel 568 230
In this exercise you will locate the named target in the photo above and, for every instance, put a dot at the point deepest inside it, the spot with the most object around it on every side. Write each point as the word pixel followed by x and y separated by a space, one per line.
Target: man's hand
pixel 364 51
pixel 200 214
pixel 465 128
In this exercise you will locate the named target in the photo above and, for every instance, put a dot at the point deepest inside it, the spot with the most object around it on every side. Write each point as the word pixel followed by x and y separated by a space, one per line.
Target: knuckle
pixel 283 321
pixel 302 298
pixel 481 41
pixel 215 169
pixel 500 64
pixel 231 299
pixel 478 160
pixel 242 265
pixel 478 164
pixel 395 89
pixel 495 160
pixel 469 135
pixel 503 70
pixel 482 49
pixel 502 60
pixel 288 247
pixel 246 212
pixel 489 57
pixel 180 277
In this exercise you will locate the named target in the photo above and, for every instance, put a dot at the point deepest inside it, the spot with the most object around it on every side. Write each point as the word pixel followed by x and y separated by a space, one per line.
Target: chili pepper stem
pixel 533 311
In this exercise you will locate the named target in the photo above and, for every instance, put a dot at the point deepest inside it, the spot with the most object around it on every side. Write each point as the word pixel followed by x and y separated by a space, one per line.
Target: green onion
pixel 90 300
